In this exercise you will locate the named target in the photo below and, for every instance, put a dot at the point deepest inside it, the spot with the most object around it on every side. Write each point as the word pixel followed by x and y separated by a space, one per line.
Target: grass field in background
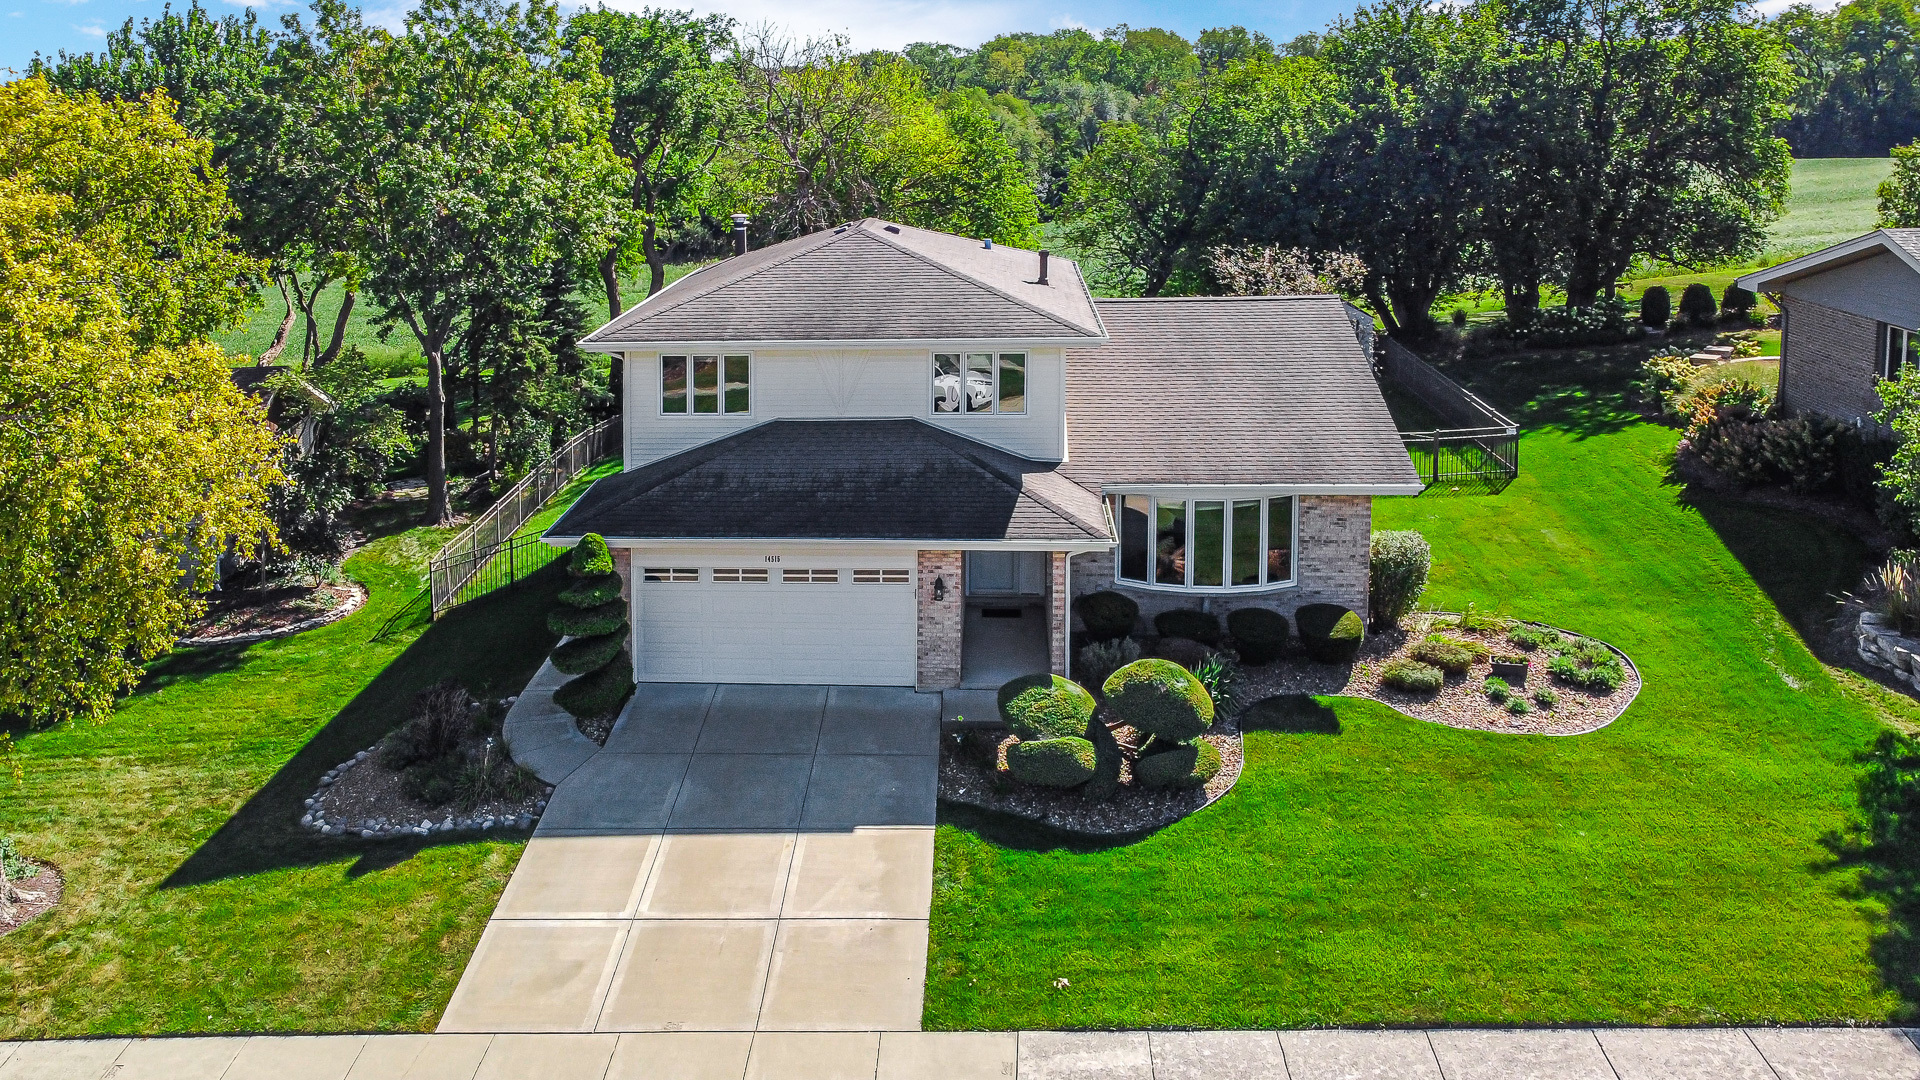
pixel 1833 200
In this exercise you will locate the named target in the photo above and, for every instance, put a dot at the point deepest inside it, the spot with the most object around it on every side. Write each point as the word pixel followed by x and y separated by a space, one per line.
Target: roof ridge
pixel 971 280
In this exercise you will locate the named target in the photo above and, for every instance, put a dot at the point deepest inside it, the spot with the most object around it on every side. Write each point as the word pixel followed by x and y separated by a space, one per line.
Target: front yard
pixel 1665 870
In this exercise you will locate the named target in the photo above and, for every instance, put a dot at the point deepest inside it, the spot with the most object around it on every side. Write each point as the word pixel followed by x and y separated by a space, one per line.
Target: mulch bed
pixel 48 884
pixel 597 728
pixel 233 613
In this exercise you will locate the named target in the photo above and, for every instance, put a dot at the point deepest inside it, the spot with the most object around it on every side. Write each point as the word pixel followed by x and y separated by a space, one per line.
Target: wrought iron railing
pixel 1482 451
pixel 491 552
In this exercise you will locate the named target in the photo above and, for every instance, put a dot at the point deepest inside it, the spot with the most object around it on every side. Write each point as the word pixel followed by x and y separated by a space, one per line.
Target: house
pixel 883 455
pixel 294 406
pixel 1850 317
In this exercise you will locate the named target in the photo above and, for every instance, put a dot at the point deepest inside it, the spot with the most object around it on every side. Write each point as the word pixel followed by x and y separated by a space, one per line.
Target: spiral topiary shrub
pixel 1107 615
pixel 1259 635
pixel 588 622
pixel 592 592
pixel 593 618
pixel 584 654
pixel 591 559
pixel 1200 626
pixel 598 693
pixel 1160 698
pixel 1045 707
pixel 1331 634
pixel 1055 763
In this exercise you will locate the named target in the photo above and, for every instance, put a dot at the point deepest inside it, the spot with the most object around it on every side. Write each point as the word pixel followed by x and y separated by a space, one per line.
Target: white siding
pixel 848 383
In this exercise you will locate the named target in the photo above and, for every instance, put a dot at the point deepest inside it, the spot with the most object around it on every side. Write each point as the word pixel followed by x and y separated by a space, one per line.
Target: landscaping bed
pixel 237 615
pixel 32 888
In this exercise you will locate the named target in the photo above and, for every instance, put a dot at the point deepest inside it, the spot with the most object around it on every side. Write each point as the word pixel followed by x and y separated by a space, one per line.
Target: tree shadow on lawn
pixel 492 646
pixel 190 665
pixel 1290 714
pixel 1585 391
pixel 1884 846
pixel 1800 561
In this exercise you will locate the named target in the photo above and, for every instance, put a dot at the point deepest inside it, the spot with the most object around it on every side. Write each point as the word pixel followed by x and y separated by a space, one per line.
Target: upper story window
pixel 979 382
pixel 1899 348
pixel 704 384
pixel 1223 544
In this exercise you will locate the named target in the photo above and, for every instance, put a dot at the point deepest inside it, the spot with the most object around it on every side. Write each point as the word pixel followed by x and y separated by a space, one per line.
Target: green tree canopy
pixel 1900 193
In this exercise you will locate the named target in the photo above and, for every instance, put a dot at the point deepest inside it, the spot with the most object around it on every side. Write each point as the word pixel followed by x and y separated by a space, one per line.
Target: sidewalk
pixel 1448 1054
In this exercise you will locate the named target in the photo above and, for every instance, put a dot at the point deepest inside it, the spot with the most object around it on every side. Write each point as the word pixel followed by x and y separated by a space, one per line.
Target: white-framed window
pixel 1899 348
pixel 741 575
pixel 810 577
pixel 979 382
pixel 1207 544
pixel 681 574
pixel 706 385
pixel 879 577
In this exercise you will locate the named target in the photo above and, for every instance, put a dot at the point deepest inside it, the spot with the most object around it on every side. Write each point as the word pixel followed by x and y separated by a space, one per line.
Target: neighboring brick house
pixel 1850 317
pixel 886 456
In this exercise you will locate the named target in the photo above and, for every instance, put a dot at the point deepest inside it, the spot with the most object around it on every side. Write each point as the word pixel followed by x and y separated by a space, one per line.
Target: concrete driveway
pixel 737 858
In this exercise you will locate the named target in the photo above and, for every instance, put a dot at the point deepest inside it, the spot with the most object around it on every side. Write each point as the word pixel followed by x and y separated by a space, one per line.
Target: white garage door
pixel 800 621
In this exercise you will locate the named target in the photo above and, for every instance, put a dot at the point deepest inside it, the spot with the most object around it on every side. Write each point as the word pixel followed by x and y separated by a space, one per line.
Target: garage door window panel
pixel 680 574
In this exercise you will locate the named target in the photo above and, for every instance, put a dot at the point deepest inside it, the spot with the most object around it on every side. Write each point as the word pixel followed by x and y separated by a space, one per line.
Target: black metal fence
pixel 1481 453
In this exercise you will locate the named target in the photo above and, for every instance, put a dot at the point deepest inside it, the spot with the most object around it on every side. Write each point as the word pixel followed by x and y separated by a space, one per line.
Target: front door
pixel 1006 573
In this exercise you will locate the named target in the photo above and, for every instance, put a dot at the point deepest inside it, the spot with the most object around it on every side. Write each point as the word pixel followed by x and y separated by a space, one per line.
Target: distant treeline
pixel 1859 67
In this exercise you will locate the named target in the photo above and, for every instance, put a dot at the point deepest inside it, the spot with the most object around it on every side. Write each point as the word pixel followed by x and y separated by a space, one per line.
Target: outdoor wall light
pixel 939 589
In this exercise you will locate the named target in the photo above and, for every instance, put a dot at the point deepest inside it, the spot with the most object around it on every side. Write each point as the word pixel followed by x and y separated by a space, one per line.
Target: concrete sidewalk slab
pixel 1837 1053
pixel 6 1051
pixel 865 873
pixel 176 1059
pixel 615 793
pixel 1217 1055
pixel 1520 1055
pixel 1683 1054
pixel 548 1057
pixel 1359 1055
pixel 1085 1055
pixel 880 720
pixel 813 1055
pixel 948 1055
pixel 847 975
pixel 681 1055
pixel 421 1057
pixel 661 718
pixel 578 877
pixel 690 975
pixel 871 789
pixel 68 1059
pixel 536 976
pixel 296 1057
pixel 763 719
pixel 718 876
pixel 742 791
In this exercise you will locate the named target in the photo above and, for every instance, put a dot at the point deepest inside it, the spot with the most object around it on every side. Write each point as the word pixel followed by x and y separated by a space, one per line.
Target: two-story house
pixel 882 455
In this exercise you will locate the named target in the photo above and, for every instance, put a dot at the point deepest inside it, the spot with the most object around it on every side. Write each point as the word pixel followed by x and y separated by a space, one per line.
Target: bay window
pixel 1205 544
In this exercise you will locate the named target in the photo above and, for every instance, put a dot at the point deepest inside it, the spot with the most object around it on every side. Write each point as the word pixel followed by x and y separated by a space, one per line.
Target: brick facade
pixel 623 565
pixel 1058 612
pixel 940 621
pixel 1333 534
pixel 1829 361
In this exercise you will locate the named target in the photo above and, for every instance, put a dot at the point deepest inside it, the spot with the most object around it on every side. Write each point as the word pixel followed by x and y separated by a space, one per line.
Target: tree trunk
pixel 339 330
pixel 656 259
pixel 286 325
pixel 310 340
pixel 437 507
pixel 1583 281
pixel 1522 297
pixel 610 277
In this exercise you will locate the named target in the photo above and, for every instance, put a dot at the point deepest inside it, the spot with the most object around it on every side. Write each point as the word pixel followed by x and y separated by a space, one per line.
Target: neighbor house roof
pixel 1904 244
pixel 868 280
pixel 840 480
pixel 1231 391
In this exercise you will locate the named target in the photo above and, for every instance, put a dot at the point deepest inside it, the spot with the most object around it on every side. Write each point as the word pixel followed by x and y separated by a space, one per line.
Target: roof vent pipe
pixel 1043 269
pixel 740 233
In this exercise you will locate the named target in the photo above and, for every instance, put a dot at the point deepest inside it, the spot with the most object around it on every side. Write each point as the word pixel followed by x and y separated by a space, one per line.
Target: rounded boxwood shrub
pixel 588 622
pixel 1160 698
pixel 1055 763
pixel 1398 561
pixel 1259 634
pixel 1738 301
pixel 1451 655
pixel 1697 305
pixel 598 693
pixel 1200 626
pixel 1412 676
pixel 590 557
pixel 1107 615
pixel 1656 306
pixel 1045 707
pixel 1330 633
pixel 1176 765
pixel 593 591
pixel 1186 652
pixel 584 654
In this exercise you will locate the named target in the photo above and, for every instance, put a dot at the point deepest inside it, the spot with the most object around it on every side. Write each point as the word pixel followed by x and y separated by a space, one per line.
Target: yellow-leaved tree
pixel 127 457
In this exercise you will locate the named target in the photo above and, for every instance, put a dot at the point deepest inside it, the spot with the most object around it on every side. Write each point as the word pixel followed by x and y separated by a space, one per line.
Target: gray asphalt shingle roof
pixel 867 280
pixel 1230 390
pixel 1906 238
pixel 840 479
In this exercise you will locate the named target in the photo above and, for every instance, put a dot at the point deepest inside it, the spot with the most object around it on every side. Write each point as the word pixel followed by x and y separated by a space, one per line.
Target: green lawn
pixel 1833 200
pixel 1665 870
pixel 194 902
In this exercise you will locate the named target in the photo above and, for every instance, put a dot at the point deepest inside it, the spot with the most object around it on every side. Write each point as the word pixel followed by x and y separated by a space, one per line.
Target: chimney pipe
pixel 1043 268
pixel 740 233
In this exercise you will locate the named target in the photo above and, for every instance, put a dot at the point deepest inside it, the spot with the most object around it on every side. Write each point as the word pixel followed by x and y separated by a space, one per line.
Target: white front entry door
pixel 849 621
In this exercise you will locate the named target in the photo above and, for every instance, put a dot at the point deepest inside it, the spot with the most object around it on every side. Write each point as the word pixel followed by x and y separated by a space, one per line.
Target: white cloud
pixel 92 30
pixel 877 24
pixel 1066 22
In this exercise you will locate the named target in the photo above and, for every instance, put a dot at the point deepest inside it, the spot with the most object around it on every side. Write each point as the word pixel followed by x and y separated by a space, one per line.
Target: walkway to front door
pixel 737 858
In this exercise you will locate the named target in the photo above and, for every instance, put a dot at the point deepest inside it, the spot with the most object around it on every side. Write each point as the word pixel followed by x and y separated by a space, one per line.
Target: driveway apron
pixel 737 858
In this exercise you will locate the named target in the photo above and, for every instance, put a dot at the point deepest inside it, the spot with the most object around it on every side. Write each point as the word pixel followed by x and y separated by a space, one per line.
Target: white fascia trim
pixel 1072 547
pixel 1258 491
pixel 983 344
pixel 1809 264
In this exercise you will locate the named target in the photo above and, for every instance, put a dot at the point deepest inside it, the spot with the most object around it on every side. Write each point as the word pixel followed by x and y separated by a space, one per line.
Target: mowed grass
pixel 195 902
pixel 1665 870
pixel 1833 199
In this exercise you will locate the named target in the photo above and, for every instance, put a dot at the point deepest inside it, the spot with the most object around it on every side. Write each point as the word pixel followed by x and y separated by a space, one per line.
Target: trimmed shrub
pixel 1259 634
pixel 1590 666
pixel 1045 707
pixel 1186 652
pixel 1412 676
pixel 1160 698
pixel 1107 615
pixel 1055 763
pixel 593 592
pixel 590 557
pixel 588 622
pixel 598 693
pixel 1656 306
pixel 1331 634
pixel 1449 654
pixel 1605 322
pixel 584 654
pixel 1103 658
pixel 1398 561
pixel 1200 626
pixel 1697 305
pixel 1738 301
pixel 1533 637
pixel 1106 763
pixel 1176 765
